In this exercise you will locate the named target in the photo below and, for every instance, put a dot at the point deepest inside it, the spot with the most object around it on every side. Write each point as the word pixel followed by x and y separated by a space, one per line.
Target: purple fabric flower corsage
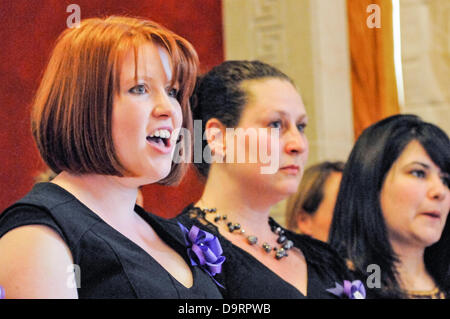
pixel 204 250
pixel 2 293
pixel 350 290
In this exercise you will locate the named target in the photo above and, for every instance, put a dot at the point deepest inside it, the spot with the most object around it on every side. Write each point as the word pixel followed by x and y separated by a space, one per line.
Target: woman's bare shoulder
pixel 35 262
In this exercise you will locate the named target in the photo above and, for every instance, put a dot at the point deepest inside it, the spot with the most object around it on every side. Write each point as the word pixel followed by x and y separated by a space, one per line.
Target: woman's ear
pixel 215 136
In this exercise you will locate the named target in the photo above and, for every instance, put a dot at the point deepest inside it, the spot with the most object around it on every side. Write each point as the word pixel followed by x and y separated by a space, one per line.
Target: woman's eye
pixel 301 127
pixel 418 173
pixel 138 89
pixel 173 92
pixel 275 124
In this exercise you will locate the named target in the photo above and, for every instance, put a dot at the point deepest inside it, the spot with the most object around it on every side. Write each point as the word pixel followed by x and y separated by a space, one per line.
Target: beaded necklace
pixel 280 251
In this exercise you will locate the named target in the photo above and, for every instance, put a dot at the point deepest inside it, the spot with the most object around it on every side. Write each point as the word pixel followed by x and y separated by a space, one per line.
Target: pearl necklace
pixel 282 240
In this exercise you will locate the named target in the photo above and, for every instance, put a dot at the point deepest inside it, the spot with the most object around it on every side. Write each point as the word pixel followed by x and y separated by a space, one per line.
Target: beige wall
pixel 425 35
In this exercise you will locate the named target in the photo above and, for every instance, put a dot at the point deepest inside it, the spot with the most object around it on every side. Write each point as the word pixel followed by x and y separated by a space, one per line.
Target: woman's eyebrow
pixel 137 79
pixel 421 164
pixel 143 77
pixel 428 167
pixel 285 114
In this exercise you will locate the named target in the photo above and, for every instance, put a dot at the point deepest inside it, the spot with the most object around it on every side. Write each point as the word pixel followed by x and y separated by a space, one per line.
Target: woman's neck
pixel 412 273
pixel 232 198
pixel 108 196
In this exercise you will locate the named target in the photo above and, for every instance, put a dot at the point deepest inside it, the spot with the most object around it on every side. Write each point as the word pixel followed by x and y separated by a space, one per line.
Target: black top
pixel 243 276
pixel 111 265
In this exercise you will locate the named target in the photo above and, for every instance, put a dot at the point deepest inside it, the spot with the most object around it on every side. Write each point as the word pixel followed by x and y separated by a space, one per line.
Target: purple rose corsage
pixel 204 250
pixel 350 290
pixel 2 293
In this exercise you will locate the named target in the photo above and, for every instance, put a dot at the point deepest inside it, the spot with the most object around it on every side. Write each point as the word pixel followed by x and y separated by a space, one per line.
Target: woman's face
pixel 415 199
pixel 145 114
pixel 278 160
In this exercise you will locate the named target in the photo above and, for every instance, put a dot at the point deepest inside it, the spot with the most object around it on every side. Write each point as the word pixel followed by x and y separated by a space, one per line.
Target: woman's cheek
pixel 268 145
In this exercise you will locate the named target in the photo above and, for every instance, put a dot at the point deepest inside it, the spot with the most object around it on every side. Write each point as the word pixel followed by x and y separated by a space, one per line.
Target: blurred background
pixel 353 61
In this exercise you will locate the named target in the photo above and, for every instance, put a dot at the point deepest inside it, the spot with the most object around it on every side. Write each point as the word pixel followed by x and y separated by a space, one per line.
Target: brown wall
pixel 28 30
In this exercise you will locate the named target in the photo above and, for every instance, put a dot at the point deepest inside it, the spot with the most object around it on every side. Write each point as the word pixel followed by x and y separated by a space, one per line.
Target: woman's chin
pixel 161 174
pixel 281 193
pixel 288 188
pixel 153 175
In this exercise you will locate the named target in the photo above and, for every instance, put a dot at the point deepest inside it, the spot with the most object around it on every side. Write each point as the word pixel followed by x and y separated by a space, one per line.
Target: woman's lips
pixel 160 139
pixel 432 214
pixel 159 146
pixel 290 169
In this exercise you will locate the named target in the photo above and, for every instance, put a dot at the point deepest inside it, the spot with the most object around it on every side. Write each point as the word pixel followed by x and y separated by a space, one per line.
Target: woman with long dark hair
pixel 392 208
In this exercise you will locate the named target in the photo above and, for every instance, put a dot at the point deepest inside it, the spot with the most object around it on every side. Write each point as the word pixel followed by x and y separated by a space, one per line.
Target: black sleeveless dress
pixel 111 265
pixel 243 276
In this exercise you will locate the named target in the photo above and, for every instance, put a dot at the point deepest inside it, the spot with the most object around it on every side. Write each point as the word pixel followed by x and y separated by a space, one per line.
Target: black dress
pixel 111 265
pixel 243 276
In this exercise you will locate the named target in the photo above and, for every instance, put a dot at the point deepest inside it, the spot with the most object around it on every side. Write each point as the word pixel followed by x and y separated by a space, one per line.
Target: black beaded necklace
pixel 282 240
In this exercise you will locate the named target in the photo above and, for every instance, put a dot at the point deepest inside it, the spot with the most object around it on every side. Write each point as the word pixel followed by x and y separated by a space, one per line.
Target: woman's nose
pixel 163 107
pixel 438 190
pixel 296 143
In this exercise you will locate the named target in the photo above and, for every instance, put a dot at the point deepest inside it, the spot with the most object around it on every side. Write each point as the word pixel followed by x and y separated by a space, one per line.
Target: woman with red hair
pixel 105 120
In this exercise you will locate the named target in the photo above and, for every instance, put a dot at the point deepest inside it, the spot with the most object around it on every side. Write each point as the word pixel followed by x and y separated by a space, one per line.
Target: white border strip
pixel 398 52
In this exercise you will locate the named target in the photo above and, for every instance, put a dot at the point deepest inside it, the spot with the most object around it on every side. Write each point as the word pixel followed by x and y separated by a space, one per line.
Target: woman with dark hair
pixel 251 108
pixel 105 120
pixel 310 210
pixel 392 208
